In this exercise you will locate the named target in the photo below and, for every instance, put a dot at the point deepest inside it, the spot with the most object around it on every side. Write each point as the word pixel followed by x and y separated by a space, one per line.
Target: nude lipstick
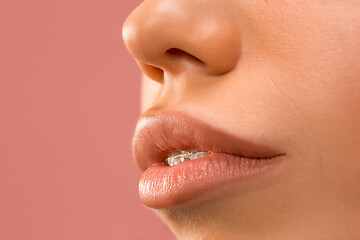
pixel 206 159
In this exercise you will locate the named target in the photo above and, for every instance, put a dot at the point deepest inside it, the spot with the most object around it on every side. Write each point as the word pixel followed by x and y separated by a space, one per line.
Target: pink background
pixel 69 96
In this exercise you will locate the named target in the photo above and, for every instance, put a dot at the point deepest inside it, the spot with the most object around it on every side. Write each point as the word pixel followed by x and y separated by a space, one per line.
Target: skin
pixel 286 73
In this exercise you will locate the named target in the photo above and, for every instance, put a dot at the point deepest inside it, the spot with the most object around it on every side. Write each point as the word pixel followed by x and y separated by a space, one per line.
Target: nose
pixel 177 36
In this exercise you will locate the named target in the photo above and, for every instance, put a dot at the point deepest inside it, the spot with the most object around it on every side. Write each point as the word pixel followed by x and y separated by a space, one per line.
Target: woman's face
pixel 283 74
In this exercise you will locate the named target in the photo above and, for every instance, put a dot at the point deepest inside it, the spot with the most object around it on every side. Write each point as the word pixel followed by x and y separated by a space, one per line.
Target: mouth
pixel 183 159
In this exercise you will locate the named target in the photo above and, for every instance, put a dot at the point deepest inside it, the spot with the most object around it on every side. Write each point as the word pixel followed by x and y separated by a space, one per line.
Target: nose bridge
pixel 171 35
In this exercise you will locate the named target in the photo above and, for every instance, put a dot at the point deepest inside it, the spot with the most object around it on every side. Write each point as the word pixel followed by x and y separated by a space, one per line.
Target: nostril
pixel 180 53
pixel 152 72
pixel 157 73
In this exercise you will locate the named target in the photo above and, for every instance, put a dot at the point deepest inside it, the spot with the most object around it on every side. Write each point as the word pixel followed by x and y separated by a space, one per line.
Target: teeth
pixel 178 157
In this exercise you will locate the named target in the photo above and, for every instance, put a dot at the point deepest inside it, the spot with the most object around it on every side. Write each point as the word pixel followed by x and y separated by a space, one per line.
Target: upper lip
pixel 158 134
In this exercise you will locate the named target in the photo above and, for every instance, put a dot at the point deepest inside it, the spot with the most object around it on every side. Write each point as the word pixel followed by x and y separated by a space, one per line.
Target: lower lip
pixel 168 187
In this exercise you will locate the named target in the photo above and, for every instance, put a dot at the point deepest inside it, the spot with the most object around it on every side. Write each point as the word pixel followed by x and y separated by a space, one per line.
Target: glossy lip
pixel 232 159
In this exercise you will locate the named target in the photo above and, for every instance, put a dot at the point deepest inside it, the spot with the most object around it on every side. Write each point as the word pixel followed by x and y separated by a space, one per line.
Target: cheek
pixel 320 77
pixel 313 58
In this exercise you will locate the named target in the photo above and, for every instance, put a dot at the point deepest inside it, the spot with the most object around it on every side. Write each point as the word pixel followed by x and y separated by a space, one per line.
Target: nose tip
pixel 182 35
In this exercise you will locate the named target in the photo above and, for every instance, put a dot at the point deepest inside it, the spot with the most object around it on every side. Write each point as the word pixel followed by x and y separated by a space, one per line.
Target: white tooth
pixel 178 157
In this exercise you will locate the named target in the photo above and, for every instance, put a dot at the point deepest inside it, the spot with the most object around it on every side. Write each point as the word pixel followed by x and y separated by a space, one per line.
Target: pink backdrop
pixel 69 96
